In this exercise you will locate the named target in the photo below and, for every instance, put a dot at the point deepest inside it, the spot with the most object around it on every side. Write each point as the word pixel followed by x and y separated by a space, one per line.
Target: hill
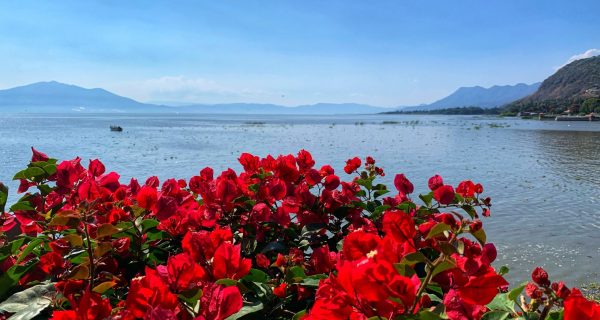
pixel 569 87
pixel 56 96
pixel 480 97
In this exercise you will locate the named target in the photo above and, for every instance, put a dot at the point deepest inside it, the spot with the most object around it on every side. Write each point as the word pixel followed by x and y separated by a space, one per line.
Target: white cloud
pixel 588 54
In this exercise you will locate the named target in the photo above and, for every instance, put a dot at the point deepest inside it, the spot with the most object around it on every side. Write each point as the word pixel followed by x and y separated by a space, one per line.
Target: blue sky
pixel 387 53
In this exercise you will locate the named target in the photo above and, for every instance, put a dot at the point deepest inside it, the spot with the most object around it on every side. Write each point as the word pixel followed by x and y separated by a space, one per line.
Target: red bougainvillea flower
pixel 228 262
pixel 466 189
pixel 148 292
pixel 481 289
pixel 399 225
pixel 458 309
pixel 533 291
pixel 147 197
pixel 352 165
pixel 359 243
pixel 181 273
pixel 403 184
pixel 444 194
pixel 577 307
pixel 219 302
pixel 435 182
pixel 91 306
pixel 540 276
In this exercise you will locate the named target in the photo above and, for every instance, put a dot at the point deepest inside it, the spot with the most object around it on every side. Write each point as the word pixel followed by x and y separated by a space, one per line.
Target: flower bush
pixel 280 240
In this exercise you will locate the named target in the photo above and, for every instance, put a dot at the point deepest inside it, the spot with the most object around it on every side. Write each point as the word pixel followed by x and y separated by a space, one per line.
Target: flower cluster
pixel 282 239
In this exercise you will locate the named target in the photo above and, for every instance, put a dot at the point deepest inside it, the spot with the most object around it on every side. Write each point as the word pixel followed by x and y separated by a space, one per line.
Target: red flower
pixel 352 165
pixel 67 172
pixel 403 184
pixel 249 162
pixel 262 261
pixel 579 308
pixel 540 276
pixel 482 289
pixel 182 272
pixel 149 292
pixel 458 309
pixel 219 302
pixel 435 182
pixel 147 197
pixel 90 306
pixel 358 244
pixel 332 182
pixel 533 291
pixel 305 160
pixel 228 262
pixel 280 290
pixel 96 168
pixel 444 194
pixel 466 189
pixel 38 156
pixel 561 289
pixel 399 225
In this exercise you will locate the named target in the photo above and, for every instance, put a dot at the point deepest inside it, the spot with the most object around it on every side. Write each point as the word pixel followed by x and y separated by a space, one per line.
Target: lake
pixel 543 176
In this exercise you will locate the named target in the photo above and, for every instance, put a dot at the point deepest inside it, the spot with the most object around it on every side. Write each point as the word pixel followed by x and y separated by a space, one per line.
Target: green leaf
pixel 445 265
pixel 248 309
pixel 299 315
pixel 404 270
pixel 514 293
pixel 148 224
pixel 50 169
pixel 503 270
pixel 13 274
pixel 470 210
pixel 295 274
pixel 313 281
pixel 480 236
pixel 226 282
pixel 502 302
pixel 427 198
pixel 11 249
pixel 413 258
pixel 21 206
pixel 3 196
pixel 33 244
pixel 106 230
pixel 438 229
pixel 555 315
pixel 496 315
pixel 29 173
pixel 256 275
pixel 28 303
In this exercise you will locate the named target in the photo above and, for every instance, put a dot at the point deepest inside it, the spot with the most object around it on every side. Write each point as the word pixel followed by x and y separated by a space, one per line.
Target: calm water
pixel 544 177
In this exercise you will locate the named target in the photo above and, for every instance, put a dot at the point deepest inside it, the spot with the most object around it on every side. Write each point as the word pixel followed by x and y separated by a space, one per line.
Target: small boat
pixel 116 128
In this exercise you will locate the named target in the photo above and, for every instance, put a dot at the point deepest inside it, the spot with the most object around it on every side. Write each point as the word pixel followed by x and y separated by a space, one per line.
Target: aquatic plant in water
pixel 281 240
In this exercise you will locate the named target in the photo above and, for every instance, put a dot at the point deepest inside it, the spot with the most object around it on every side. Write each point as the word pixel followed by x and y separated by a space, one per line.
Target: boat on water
pixel 116 128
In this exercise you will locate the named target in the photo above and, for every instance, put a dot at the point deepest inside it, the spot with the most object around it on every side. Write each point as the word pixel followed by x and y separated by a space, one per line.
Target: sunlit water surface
pixel 543 176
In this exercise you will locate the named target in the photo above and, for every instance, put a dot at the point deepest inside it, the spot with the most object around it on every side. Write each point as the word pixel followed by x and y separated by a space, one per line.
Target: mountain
pixel 56 96
pixel 59 97
pixel 480 97
pixel 570 85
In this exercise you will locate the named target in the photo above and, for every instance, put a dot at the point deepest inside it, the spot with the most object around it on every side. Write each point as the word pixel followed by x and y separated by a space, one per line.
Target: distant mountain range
pixel 480 97
pixel 59 97
pixel 570 85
